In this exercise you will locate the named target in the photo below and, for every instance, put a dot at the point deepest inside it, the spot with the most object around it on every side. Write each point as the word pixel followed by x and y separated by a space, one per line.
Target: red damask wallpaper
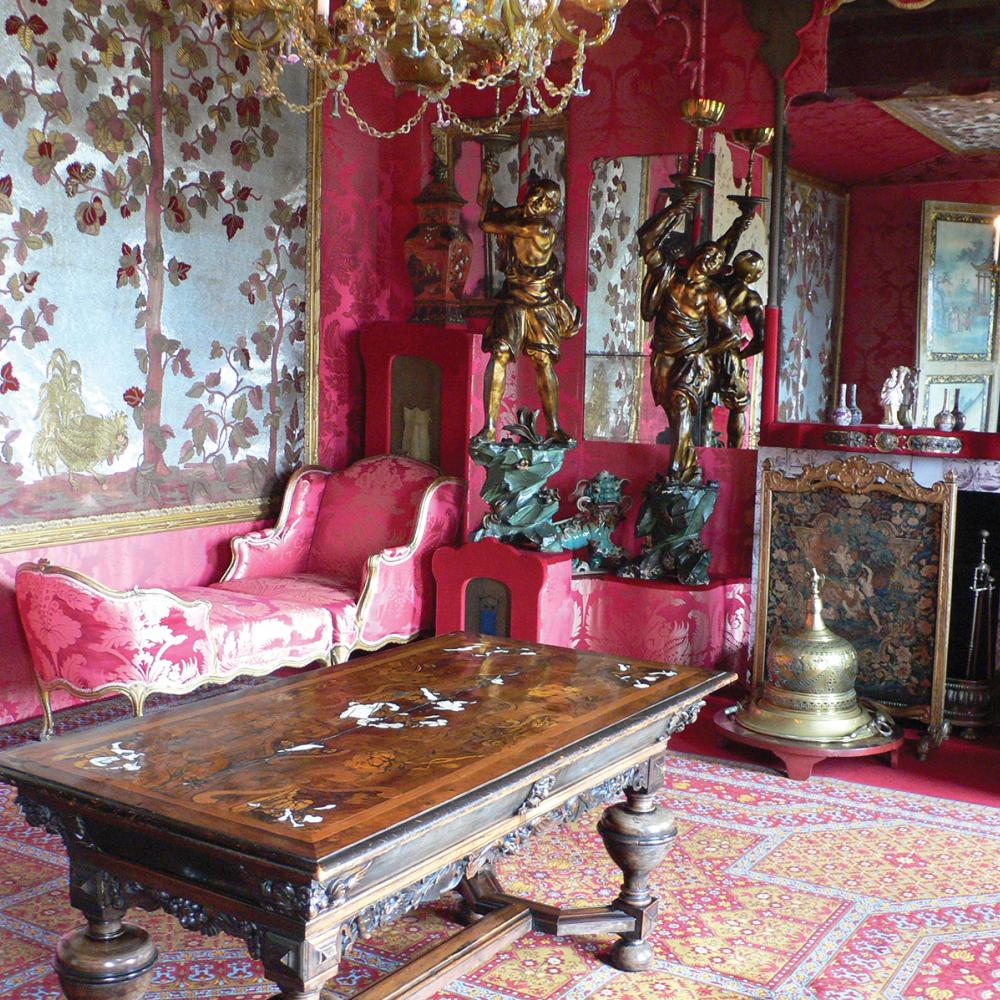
pixel 883 275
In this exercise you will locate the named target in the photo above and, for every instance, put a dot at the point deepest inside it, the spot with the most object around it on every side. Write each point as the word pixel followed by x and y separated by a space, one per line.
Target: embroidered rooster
pixel 68 435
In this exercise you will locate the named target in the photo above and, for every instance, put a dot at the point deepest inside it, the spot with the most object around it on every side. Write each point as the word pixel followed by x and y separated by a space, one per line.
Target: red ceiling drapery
pixel 829 6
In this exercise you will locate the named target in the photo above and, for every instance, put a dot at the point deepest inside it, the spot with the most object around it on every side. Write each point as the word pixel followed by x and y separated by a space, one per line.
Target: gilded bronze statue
pixel 692 322
pixel 730 382
pixel 534 315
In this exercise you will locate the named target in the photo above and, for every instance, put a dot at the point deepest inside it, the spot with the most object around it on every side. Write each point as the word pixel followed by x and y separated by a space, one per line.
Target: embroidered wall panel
pixel 153 256
pixel 815 222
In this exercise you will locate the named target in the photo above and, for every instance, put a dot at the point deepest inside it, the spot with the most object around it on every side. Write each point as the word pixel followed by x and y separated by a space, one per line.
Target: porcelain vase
pixel 841 414
pixel 945 419
pixel 958 415
pixel 852 396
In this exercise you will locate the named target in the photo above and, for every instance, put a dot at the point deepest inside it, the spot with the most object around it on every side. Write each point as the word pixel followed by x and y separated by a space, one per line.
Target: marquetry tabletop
pixel 308 765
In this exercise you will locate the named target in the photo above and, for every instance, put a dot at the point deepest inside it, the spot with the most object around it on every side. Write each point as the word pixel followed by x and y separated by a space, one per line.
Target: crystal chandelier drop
pixel 431 46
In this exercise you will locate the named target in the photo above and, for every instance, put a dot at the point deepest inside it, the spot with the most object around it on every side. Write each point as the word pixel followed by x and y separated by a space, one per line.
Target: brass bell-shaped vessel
pixel 809 682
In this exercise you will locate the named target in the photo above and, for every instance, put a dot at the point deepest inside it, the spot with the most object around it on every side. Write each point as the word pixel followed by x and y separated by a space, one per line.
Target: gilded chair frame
pixel 855 476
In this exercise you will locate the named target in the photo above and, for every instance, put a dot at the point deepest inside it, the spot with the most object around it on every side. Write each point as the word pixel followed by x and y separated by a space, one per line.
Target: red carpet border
pixel 773 889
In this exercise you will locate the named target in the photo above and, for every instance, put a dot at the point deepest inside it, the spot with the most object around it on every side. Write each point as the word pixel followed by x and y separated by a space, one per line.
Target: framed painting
pixel 884 544
pixel 975 398
pixel 158 237
pixel 957 314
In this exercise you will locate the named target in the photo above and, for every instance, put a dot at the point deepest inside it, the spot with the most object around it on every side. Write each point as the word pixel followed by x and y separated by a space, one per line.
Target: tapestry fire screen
pixel 884 544
pixel 154 319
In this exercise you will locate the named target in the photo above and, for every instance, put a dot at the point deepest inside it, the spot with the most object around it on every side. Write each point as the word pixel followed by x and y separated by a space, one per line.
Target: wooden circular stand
pixel 800 758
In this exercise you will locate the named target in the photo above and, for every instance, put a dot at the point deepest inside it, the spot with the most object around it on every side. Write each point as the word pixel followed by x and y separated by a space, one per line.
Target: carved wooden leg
pixel 637 835
pixel 297 968
pixel 107 959
pixel 340 653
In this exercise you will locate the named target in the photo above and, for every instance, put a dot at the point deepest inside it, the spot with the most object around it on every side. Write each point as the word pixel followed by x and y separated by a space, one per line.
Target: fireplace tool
pixel 968 699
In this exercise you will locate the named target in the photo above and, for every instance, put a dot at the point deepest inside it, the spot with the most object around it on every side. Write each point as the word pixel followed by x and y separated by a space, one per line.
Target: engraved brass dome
pixel 809 685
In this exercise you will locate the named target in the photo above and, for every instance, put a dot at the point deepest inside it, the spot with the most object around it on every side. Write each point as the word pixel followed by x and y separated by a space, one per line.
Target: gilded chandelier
pixel 431 46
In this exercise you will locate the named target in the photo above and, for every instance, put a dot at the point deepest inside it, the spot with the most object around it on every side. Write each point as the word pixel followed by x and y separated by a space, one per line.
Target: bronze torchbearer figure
pixel 534 315
pixel 730 383
pixel 692 322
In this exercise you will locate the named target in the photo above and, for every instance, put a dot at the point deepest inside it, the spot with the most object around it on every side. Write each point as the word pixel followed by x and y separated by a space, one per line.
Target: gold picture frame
pixel 885 545
pixel 958 312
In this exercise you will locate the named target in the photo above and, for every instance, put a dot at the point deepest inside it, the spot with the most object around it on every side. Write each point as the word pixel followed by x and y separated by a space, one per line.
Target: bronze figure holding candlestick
pixel 534 315
pixel 692 325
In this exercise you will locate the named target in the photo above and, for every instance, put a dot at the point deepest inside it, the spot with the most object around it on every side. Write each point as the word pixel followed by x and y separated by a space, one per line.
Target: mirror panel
pixel 814 254
pixel 917 291
pixel 546 157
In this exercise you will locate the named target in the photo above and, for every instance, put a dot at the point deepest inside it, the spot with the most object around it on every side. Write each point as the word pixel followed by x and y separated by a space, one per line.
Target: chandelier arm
pixel 249 44
pixel 518 11
pixel 565 30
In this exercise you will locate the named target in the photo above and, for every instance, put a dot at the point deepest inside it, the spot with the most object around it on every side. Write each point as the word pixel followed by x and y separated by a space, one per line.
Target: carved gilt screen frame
pixel 852 478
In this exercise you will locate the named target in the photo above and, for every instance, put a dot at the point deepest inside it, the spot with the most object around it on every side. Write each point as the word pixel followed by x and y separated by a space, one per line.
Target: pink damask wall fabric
pixel 354 287
pixel 704 627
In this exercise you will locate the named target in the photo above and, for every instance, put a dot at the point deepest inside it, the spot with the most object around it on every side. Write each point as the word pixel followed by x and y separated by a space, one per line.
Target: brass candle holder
pixel 700 113
pixel 753 139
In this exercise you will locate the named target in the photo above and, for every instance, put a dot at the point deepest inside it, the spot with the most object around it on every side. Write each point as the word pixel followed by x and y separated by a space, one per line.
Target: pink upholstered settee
pixel 346 567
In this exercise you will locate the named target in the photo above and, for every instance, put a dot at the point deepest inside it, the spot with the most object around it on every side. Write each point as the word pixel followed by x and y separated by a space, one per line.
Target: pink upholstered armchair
pixel 347 566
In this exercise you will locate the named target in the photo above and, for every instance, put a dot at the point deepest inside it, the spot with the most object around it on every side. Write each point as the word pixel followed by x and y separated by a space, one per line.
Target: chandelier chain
pixel 432 46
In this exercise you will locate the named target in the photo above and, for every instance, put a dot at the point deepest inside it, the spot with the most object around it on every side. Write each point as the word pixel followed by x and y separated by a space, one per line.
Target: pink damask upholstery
pixel 346 566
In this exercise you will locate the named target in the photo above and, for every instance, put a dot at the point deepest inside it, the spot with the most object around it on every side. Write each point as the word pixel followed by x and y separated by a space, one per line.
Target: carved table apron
pixel 307 812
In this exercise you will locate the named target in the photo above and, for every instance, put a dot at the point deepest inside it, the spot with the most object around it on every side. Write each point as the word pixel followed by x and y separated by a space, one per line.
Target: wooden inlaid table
pixel 307 812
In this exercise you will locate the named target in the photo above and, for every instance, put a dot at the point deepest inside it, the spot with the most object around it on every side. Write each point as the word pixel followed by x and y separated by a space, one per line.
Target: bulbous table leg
pixel 106 960
pixel 637 834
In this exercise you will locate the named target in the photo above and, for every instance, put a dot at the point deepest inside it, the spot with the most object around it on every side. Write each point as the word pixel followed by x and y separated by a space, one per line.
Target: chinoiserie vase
pixel 852 404
pixel 958 415
pixel 945 419
pixel 438 251
pixel 808 693
pixel 841 414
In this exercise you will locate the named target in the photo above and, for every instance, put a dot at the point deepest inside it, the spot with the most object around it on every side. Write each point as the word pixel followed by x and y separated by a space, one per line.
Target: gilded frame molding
pixel 949 211
pixel 856 476
pixel 16 538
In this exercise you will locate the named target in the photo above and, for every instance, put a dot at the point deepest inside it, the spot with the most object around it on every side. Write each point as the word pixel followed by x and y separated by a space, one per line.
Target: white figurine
pixel 892 397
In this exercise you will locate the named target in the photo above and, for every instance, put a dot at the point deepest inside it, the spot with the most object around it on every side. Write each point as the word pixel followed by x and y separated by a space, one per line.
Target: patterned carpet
pixel 773 889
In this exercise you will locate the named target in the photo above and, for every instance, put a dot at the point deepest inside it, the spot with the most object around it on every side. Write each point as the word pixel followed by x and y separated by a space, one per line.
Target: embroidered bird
pixel 69 436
